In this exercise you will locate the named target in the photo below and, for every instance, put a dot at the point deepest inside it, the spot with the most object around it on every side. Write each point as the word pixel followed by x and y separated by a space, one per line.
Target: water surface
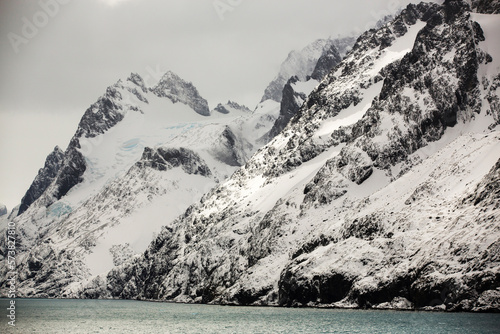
pixel 120 316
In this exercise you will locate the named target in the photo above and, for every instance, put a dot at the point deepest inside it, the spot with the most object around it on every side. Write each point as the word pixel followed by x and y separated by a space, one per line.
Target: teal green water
pixel 117 316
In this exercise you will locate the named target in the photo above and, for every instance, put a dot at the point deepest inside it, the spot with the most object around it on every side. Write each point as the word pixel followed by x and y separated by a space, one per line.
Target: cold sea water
pixel 118 316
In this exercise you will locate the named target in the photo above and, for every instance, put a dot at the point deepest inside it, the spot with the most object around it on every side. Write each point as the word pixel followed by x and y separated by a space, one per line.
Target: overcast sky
pixel 58 56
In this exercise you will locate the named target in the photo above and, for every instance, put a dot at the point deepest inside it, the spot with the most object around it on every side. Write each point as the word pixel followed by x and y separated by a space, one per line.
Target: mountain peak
pixel 230 106
pixel 138 81
pixel 303 63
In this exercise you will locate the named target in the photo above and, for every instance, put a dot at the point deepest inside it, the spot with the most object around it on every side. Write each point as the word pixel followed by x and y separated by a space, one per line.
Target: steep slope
pixel 486 6
pixel 178 90
pixel 107 142
pixel 3 210
pixel 318 58
pixel 376 194
pixel 294 94
pixel 64 171
pixel 134 174
pixel 303 77
pixel 44 178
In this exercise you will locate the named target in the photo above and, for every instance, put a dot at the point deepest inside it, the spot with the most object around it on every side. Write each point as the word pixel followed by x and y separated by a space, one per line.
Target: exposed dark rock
pixel 311 245
pixel 488 191
pixel 288 107
pixel 137 79
pixel 42 181
pixel 249 297
pixel 328 60
pixel 174 88
pixel 101 116
pixel 223 108
pixel 163 159
pixel 367 227
pixel 319 289
pixel 70 173
pixel 220 108
pixel 486 6
pixel 229 149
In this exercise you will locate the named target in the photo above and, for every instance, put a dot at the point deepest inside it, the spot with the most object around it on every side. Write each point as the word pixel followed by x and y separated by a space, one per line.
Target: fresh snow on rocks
pixel 377 189
pixel 380 192
pixel 139 158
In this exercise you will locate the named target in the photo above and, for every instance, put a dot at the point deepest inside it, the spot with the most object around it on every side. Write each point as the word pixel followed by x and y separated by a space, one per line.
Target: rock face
pixel 328 60
pixel 380 192
pixel 230 106
pixel 318 58
pixel 127 172
pixel 3 210
pixel 65 170
pixel 486 6
pixel 291 101
pixel 302 78
pixel 164 159
pixel 178 90
pixel 44 178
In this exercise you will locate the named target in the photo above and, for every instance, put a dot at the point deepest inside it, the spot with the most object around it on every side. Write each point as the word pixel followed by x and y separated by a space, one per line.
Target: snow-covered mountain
pixel 140 156
pixel 86 201
pixel 381 192
pixel 379 186
pixel 314 60
pixel 299 74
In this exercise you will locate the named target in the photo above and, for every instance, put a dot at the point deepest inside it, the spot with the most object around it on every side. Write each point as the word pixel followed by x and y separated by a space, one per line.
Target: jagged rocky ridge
pixel 67 169
pixel 290 103
pixel 231 145
pixel 44 178
pixel 296 89
pixel 329 59
pixel 314 60
pixel 381 191
pixel 178 90
pixel 125 172
pixel 486 6
pixel 230 105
